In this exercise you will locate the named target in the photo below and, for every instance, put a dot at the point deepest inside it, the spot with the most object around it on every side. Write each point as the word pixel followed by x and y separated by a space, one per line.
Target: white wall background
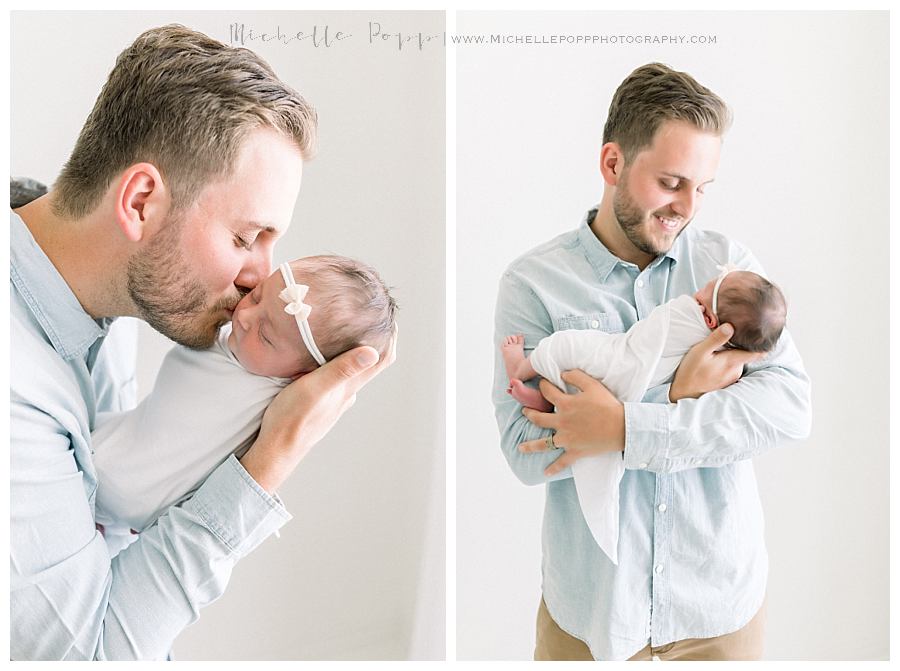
pixel 347 577
pixel 803 182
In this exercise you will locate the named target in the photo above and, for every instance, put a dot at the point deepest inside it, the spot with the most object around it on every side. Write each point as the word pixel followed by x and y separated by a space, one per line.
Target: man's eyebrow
pixel 263 226
pixel 683 178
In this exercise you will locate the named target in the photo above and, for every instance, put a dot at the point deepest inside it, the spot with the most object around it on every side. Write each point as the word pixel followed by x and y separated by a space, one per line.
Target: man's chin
pixel 198 339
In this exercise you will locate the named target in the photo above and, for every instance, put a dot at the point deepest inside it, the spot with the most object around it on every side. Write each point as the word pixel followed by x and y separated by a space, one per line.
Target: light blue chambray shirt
pixel 692 557
pixel 68 600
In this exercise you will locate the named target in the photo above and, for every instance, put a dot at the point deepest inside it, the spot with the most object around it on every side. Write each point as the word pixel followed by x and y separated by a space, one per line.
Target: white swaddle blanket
pixel 627 364
pixel 204 406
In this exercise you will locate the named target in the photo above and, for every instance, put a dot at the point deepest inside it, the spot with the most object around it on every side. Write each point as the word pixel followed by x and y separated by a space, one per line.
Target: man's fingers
pixel 385 361
pixel 742 357
pixel 563 462
pixel 719 337
pixel 578 379
pixel 545 420
pixel 350 364
pixel 538 445
pixel 348 404
pixel 551 392
pixel 736 359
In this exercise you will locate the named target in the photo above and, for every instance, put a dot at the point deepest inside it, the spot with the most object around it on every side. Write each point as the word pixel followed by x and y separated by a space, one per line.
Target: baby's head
pixel 751 304
pixel 351 306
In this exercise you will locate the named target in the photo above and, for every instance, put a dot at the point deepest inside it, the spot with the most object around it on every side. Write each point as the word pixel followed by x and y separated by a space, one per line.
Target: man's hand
pixel 704 369
pixel 586 423
pixel 304 411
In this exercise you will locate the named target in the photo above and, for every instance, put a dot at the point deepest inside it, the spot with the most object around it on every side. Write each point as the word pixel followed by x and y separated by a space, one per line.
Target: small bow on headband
pixel 726 268
pixel 293 295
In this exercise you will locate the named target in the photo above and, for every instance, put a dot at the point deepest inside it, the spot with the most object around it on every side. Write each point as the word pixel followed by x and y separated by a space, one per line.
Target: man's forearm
pixel 69 601
pixel 721 427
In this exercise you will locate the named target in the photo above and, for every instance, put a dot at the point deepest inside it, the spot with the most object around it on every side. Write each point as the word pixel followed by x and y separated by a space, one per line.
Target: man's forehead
pixel 683 152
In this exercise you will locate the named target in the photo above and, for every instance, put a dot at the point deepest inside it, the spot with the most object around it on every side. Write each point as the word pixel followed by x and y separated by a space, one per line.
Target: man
pixel 184 176
pixel 691 578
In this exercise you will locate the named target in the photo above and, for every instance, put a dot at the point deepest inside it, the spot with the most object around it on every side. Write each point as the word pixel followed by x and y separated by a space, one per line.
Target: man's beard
pixel 632 220
pixel 170 299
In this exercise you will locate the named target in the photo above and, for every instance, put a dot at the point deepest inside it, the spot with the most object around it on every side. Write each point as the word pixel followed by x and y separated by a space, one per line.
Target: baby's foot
pixel 530 398
pixel 513 350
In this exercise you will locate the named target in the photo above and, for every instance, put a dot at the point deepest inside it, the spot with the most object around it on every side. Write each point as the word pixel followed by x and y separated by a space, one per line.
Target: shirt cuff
pixel 235 508
pixel 646 436
pixel 658 394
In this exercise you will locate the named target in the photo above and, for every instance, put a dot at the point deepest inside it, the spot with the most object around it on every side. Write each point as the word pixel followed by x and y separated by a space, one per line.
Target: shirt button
pixel 642 466
pixel 659 568
pixel 595 324
pixel 640 283
pixel 662 507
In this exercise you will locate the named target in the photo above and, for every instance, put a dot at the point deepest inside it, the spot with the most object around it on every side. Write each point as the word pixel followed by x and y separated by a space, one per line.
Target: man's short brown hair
pixel 184 102
pixel 653 94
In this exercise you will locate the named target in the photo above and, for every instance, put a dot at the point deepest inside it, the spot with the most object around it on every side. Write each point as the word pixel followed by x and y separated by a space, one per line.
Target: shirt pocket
pixel 608 322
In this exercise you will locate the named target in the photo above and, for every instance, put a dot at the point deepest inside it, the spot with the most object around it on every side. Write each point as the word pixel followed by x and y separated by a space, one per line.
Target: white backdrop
pixel 358 573
pixel 803 182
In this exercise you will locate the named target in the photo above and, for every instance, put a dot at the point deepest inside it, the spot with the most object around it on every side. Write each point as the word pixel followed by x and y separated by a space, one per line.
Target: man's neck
pixel 608 231
pixel 85 255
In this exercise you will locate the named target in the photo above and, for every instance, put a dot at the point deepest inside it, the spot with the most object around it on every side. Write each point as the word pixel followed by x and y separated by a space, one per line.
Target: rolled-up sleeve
pixel 68 600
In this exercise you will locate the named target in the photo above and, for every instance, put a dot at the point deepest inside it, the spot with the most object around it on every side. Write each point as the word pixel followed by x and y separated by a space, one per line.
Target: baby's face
pixel 264 338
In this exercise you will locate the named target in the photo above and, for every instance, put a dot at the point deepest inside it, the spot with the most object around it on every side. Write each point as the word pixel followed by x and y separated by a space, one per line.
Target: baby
pixel 654 346
pixel 209 404
pixel 630 363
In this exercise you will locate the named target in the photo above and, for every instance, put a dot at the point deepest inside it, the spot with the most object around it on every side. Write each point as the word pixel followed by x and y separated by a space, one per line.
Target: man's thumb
pixel 366 357
pixel 720 336
pixel 350 364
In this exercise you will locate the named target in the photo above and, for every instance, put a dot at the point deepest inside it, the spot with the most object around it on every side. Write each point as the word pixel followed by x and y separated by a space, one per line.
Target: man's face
pixel 190 275
pixel 662 189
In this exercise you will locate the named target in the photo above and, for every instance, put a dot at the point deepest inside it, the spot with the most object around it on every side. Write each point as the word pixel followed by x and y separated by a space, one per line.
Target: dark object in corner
pixel 23 190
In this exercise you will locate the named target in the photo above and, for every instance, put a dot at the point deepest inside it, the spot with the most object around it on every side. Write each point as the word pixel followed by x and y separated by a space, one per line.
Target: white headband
pixel 293 295
pixel 723 271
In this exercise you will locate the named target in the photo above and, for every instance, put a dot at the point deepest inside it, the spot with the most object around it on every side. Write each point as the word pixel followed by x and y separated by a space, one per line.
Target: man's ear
pixel 612 163
pixel 142 201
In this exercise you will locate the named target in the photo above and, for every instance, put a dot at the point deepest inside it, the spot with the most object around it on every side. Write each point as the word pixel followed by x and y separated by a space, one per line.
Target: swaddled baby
pixel 208 404
pixel 647 355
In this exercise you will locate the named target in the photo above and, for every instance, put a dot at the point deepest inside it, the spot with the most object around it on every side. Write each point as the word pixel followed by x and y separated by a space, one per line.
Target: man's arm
pixel 518 310
pixel 768 405
pixel 70 601
pixel 717 421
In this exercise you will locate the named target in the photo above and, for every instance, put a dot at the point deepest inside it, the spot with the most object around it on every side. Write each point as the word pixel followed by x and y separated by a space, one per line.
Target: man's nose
pixel 255 269
pixel 685 204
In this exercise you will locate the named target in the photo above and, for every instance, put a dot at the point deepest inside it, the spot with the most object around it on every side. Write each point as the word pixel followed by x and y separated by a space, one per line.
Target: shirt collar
pixel 69 328
pixel 604 260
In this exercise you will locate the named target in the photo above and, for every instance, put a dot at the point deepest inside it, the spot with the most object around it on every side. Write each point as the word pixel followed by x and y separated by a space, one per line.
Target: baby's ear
pixel 711 321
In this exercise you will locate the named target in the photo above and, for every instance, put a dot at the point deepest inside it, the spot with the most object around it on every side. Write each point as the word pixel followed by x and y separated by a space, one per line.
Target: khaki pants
pixel 744 644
